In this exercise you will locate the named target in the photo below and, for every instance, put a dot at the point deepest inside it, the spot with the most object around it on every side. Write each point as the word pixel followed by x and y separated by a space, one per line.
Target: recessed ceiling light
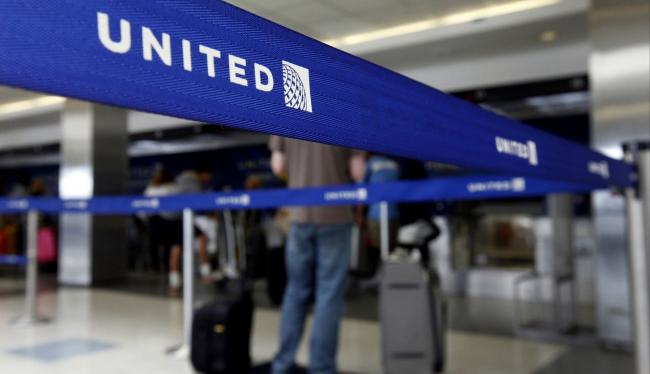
pixel 30 104
pixel 489 11
pixel 548 36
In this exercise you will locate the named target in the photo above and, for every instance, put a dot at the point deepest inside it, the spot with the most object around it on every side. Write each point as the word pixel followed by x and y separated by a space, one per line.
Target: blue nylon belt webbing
pixel 318 93
pixel 13 260
pixel 440 189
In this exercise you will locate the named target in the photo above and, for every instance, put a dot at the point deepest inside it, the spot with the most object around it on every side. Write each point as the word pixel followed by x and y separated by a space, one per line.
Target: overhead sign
pixel 212 62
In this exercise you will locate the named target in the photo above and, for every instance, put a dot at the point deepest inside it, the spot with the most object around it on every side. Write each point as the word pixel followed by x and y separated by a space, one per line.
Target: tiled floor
pixel 107 331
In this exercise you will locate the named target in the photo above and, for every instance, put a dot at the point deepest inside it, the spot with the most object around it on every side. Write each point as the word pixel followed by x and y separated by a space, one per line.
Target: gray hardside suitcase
pixel 412 315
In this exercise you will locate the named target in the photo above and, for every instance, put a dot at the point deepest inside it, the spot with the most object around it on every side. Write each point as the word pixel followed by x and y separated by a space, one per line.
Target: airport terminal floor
pixel 127 330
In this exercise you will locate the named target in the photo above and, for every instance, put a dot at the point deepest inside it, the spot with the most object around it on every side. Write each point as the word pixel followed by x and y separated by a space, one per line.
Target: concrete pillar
pixel 560 210
pixel 94 162
pixel 620 88
pixel 554 259
pixel 554 246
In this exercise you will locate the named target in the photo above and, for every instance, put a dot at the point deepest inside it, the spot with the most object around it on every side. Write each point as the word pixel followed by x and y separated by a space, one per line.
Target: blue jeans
pixel 317 259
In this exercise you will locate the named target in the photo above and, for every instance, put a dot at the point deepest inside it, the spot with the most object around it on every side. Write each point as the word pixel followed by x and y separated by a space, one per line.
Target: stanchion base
pixel 29 320
pixel 181 351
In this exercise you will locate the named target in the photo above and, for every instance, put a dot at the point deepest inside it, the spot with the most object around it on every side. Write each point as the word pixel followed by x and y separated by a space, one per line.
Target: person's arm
pixel 277 147
pixel 357 166
pixel 279 163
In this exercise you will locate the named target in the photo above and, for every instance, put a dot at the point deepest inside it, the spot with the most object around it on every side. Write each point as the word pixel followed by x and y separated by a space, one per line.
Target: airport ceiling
pixel 329 19
pixel 11 95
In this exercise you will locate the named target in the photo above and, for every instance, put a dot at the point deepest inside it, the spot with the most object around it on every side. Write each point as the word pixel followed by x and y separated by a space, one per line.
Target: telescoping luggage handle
pixel 233 262
pixel 383 231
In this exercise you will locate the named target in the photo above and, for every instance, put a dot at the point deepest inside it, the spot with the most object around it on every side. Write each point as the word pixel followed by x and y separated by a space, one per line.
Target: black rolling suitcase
pixel 221 329
pixel 221 333
pixel 276 275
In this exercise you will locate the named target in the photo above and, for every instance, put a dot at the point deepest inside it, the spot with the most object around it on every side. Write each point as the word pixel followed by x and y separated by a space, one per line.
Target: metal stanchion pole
pixel 383 227
pixel 188 274
pixel 636 201
pixel 32 266
pixel 231 268
pixel 31 284
pixel 644 187
pixel 183 350
pixel 243 250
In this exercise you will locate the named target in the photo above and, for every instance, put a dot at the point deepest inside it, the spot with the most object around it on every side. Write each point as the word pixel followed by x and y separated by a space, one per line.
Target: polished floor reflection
pixel 112 331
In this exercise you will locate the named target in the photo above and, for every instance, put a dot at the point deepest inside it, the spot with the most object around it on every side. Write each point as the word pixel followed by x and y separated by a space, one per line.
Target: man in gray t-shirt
pixel 318 249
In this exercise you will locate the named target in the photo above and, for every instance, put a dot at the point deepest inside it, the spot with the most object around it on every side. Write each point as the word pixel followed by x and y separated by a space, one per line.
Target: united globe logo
pixel 297 89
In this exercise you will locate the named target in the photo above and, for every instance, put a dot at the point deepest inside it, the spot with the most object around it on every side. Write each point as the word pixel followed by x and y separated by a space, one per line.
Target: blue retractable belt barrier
pixel 212 62
pixel 13 260
pixel 440 189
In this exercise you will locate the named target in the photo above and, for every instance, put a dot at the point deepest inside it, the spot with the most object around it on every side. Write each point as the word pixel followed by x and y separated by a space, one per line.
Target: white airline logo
pixel 599 168
pixel 145 204
pixel 242 200
pixel 514 185
pixel 296 82
pixel 75 204
pixel 18 204
pixel 360 194
pixel 510 147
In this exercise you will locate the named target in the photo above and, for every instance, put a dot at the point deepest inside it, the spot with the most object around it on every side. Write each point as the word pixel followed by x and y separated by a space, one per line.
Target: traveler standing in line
pixel 192 181
pixel 164 228
pixel 318 250
pixel 21 187
pixel 18 223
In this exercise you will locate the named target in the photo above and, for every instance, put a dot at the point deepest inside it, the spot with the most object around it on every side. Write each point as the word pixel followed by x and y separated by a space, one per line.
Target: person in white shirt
pixel 165 228
pixel 193 181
